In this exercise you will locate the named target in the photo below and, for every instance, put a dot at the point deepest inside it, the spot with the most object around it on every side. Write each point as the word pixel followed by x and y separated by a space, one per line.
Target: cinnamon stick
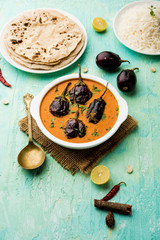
pixel 113 206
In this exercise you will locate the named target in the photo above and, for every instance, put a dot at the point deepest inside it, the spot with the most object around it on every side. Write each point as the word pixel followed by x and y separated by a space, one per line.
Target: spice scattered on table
pixel 5 101
pixel 110 219
pixel 113 192
pixel 85 70
pixel 3 81
pixel 129 169
pixel 121 208
pixel 112 206
pixel 153 69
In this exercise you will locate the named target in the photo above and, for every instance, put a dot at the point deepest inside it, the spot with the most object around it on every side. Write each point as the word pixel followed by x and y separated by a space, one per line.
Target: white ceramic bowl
pixel 7 57
pixel 35 112
pixel 117 21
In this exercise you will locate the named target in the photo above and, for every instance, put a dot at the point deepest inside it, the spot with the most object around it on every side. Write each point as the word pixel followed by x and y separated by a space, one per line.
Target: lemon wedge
pixel 99 24
pixel 100 175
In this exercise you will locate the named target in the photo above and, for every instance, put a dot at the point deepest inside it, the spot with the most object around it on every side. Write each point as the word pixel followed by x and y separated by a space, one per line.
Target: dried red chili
pixel 2 80
pixel 113 192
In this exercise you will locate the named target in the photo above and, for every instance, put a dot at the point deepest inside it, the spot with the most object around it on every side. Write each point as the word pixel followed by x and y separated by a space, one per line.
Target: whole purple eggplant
pixel 60 105
pixel 109 61
pixel 80 93
pixel 96 109
pixel 126 80
pixel 75 127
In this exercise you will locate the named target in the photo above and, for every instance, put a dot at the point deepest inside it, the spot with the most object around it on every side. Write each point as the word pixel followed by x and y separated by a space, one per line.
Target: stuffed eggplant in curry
pixel 58 125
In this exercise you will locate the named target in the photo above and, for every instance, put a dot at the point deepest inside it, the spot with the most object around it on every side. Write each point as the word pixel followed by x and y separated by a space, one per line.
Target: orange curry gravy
pixel 107 122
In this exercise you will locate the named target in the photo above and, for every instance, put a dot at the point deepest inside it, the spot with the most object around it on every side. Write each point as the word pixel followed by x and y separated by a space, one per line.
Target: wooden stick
pixel 114 207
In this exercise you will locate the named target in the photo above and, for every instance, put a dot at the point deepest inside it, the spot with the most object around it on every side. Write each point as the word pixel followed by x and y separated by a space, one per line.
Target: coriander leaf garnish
pixel 81 132
pixel 83 108
pixel 52 122
pixel 61 127
pixel 103 117
pixel 151 8
pixel 95 133
pixel 117 109
pixel 95 89
pixel 56 89
pixel 72 111
pixel 117 114
pixel 74 105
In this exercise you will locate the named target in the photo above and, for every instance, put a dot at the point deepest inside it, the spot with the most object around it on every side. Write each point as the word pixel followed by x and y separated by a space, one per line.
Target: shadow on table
pixel 37 171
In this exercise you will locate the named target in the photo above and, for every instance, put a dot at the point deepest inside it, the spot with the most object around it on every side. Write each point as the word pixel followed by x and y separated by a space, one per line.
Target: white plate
pixel 5 54
pixel 35 112
pixel 117 18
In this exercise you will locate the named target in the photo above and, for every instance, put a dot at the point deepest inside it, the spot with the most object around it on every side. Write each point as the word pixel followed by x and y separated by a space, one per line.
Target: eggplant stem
pixel 65 90
pixel 77 113
pixel 125 61
pixel 134 69
pixel 105 90
pixel 80 77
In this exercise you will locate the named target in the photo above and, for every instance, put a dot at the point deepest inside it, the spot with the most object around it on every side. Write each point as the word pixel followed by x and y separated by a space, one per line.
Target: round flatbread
pixel 26 60
pixel 63 63
pixel 43 38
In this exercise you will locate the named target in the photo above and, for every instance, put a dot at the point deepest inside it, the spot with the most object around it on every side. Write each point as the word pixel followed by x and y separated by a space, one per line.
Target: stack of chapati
pixel 43 39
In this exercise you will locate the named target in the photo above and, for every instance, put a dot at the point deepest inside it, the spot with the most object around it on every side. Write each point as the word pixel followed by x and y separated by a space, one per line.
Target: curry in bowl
pixel 79 111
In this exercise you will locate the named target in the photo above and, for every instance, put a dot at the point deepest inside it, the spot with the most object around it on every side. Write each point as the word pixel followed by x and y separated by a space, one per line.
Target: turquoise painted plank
pixel 49 203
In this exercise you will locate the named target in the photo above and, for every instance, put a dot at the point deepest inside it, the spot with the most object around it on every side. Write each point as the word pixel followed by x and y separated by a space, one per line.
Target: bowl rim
pixel 35 112
pixel 115 25
pixel 7 57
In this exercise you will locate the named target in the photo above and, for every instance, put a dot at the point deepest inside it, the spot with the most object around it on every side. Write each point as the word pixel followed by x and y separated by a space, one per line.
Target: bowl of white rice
pixel 137 26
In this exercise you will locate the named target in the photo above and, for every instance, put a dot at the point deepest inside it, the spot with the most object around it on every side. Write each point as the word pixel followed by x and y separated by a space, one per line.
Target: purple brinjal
pixel 109 61
pixel 60 105
pixel 75 127
pixel 96 109
pixel 126 80
pixel 80 93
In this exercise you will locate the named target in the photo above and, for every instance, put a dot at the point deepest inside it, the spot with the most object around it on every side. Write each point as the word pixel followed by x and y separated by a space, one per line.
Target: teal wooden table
pixel 50 203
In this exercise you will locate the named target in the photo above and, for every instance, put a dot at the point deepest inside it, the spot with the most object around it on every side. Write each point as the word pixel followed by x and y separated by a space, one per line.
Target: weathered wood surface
pixel 51 203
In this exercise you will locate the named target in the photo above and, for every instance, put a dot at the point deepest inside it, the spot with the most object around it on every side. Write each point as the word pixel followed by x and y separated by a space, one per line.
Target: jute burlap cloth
pixel 74 160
